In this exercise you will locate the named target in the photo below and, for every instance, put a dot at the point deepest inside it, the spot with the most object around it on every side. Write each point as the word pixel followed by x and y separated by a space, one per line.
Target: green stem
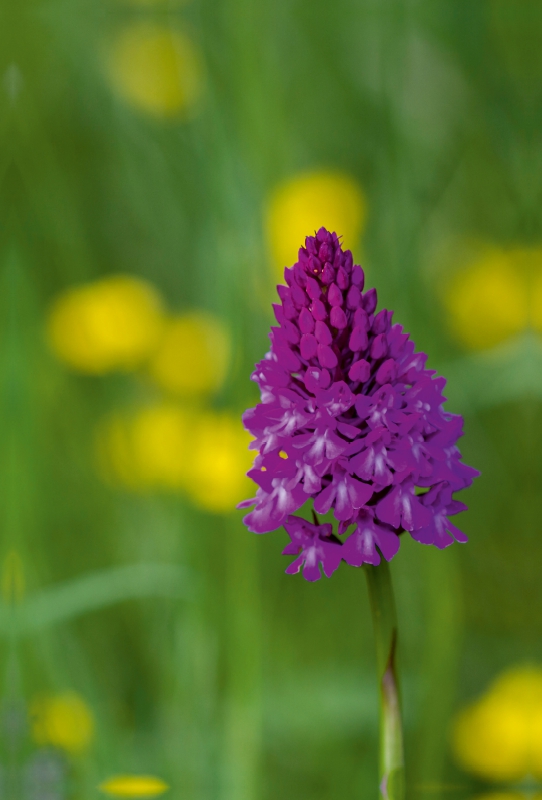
pixel 391 758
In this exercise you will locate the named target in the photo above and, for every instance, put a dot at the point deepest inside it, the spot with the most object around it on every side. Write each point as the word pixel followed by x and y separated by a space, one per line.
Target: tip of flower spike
pixel 324 236
pixel 302 203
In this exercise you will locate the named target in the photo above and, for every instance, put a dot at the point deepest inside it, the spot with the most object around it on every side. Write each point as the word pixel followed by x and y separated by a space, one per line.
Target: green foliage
pixel 201 661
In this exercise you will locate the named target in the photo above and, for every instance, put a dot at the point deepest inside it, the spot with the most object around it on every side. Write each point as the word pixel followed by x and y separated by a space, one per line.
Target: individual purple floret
pixel 351 417
pixel 314 545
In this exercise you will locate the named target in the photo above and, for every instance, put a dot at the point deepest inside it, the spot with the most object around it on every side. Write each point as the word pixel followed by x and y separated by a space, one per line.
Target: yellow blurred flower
pixel 496 297
pixel 113 323
pixel 146 450
pixel 536 297
pixel 193 355
pixel 62 720
pixel 134 786
pixel 167 447
pixel 499 737
pixel 155 68
pixel 218 463
pixel 305 202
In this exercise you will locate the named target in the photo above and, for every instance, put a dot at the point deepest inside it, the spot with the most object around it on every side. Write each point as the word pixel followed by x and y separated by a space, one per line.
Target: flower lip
pixel 362 419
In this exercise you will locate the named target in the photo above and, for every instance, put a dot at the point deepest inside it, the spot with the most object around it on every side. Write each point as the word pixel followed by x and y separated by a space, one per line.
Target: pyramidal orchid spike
pixel 360 419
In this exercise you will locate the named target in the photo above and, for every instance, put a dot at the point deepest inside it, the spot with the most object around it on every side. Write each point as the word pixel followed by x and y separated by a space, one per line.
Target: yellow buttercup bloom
pixel 134 786
pixel 165 447
pixel 161 444
pixel 536 297
pixel 305 202
pixel 147 450
pixel 499 737
pixel 193 355
pixel 219 460
pixel 62 720
pixel 496 297
pixel 156 69
pixel 110 324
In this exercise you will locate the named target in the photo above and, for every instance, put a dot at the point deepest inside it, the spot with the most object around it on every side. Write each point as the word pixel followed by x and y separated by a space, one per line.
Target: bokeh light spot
pixel 304 203
pixel 219 462
pixel 165 447
pixel 147 450
pixel 499 736
pixel 134 786
pixel 488 302
pixel 110 324
pixel 63 720
pixel 193 355
pixel 156 69
pixel 536 297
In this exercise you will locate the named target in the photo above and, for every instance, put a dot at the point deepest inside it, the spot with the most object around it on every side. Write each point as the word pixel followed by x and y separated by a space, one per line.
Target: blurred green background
pixel 187 146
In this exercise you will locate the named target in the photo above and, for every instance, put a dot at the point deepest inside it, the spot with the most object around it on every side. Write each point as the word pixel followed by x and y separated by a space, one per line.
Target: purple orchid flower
pixel 351 418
